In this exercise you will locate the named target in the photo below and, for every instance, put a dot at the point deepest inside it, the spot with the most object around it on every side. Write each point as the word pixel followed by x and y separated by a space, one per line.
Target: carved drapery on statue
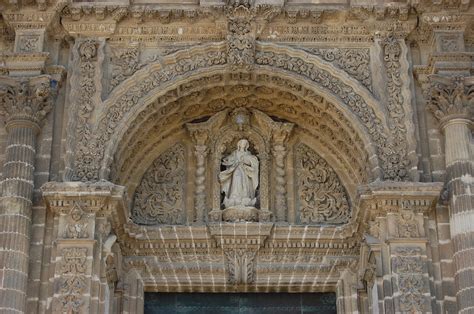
pixel 239 181
pixel 159 198
pixel 322 198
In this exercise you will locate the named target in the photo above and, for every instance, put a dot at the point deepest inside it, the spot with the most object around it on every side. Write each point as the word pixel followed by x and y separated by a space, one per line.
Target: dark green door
pixel 216 303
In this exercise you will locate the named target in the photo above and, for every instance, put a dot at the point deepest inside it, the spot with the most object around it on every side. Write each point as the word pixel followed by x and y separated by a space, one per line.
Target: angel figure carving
pixel 239 181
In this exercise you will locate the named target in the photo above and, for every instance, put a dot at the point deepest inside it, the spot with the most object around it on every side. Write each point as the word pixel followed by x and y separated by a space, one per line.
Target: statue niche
pixel 239 182
pixel 239 144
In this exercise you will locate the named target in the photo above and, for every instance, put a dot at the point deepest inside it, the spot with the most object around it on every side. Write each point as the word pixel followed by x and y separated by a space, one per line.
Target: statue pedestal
pixel 240 214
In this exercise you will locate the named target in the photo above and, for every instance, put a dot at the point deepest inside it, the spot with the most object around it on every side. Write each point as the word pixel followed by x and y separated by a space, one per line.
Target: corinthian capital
pixel 27 99
pixel 451 96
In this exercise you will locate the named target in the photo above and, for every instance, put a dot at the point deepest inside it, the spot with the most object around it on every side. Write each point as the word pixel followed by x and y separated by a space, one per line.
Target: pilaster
pixel 398 281
pixel 85 263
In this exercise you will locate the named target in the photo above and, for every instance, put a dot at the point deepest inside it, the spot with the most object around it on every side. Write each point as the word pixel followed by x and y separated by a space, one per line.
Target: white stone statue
pixel 240 179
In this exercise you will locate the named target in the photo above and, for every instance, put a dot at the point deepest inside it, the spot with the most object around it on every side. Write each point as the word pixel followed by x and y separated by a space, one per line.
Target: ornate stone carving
pixel 240 265
pixel 241 37
pixel 407 224
pixel 239 181
pixel 28 43
pixel 396 164
pixel 84 101
pixel 77 226
pixel 322 197
pixel 72 285
pixel 280 134
pixel 450 96
pixel 355 61
pixel 409 267
pixel 392 154
pixel 159 198
pixel 125 63
pixel 26 99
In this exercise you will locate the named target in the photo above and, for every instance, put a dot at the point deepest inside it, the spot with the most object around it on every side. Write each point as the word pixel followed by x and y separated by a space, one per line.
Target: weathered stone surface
pixel 358 119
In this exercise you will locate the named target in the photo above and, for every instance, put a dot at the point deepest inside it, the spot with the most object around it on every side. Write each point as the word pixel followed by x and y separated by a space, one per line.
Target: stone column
pixel 199 137
pixel 396 266
pixel 280 135
pixel 24 103
pixel 450 99
pixel 84 262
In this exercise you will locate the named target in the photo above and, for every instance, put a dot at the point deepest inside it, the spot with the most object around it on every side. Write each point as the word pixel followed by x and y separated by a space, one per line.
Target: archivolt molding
pixel 139 90
pixel 320 121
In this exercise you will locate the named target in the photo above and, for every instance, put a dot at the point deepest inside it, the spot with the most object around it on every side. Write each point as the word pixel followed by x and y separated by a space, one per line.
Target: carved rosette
pixel 28 100
pixel 322 197
pixel 450 97
pixel 159 198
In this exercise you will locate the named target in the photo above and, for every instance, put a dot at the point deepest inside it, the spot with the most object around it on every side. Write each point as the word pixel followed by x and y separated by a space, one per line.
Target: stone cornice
pixel 26 99
pixel 380 198
pixel 103 198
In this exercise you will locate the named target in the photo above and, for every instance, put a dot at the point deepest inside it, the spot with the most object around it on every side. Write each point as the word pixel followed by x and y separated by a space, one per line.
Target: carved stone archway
pixel 136 92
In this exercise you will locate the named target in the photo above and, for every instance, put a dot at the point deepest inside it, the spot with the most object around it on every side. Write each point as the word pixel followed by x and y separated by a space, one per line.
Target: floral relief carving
pixel 393 155
pixel 159 198
pixel 240 38
pixel 323 199
pixel 72 281
pixel 354 61
pixel 28 43
pixel 396 166
pixel 409 267
pixel 449 96
pixel 26 99
pixel 240 265
pixel 124 65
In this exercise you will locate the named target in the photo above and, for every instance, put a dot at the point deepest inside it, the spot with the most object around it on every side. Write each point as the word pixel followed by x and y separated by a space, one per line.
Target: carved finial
pixel 450 96
pixel 26 100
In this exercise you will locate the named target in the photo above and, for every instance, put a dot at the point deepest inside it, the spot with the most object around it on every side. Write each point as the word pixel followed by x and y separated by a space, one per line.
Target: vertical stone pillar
pixel 397 261
pixel 199 137
pixel 280 135
pixel 84 215
pixel 23 103
pixel 450 100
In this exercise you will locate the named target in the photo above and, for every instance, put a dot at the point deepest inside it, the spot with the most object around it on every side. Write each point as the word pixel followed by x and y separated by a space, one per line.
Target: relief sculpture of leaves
pixel 159 198
pixel 322 197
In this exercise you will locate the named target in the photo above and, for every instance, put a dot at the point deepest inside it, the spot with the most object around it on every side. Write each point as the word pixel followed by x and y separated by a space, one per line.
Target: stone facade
pixel 118 117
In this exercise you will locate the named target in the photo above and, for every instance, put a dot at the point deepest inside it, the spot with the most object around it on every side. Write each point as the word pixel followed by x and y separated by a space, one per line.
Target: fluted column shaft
pixel 460 176
pixel 15 214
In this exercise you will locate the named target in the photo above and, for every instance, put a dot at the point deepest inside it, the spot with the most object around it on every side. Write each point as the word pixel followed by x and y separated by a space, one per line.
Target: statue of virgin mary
pixel 240 179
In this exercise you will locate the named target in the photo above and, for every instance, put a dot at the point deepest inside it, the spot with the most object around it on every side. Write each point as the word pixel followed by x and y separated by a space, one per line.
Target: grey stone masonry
pixel 23 103
pixel 450 103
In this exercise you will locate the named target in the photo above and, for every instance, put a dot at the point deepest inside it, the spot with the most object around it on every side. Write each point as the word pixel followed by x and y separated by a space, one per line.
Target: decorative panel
pixel 321 198
pixel 159 198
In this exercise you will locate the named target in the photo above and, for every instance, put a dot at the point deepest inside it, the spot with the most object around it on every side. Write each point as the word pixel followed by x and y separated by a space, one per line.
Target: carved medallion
pixel 322 198
pixel 159 198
